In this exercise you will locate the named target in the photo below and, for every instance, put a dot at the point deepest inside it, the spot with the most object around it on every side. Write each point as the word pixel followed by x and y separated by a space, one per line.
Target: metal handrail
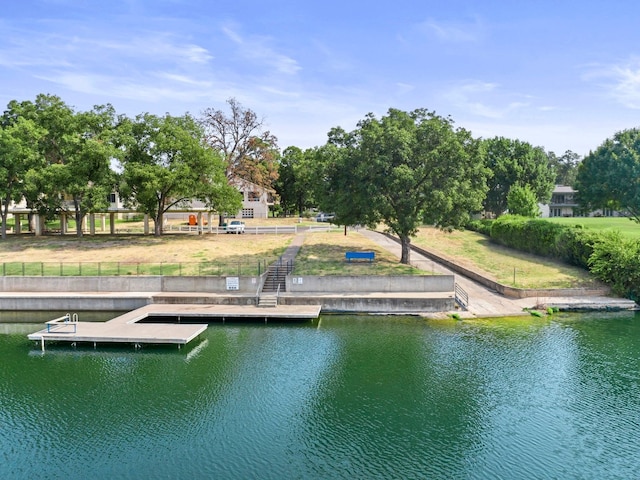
pixel 461 297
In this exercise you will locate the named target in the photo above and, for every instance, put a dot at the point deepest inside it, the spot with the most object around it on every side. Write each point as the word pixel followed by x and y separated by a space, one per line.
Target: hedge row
pixel 609 257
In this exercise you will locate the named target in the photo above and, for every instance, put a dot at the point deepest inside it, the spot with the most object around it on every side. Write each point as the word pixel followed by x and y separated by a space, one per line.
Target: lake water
pixel 345 397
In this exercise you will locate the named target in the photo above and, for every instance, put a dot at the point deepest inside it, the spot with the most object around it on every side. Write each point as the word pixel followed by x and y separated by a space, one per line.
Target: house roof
pixel 563 189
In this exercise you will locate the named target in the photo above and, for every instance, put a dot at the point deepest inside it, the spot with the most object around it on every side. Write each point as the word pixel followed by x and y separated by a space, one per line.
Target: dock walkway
pixel 132 328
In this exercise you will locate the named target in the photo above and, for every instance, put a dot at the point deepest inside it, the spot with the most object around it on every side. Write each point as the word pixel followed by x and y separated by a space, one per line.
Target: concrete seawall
pixel 356 294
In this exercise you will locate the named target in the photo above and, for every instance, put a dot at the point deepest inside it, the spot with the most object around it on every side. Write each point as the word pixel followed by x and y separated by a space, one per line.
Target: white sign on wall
pixel 233 283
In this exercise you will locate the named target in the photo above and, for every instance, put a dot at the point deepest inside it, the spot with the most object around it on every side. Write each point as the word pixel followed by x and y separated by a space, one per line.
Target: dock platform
pixel 138 326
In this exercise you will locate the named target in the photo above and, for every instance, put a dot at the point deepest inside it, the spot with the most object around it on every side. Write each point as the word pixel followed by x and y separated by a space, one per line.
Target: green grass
pixel 627 227
pixel 505 265
pixel 104 269
pixel 323 254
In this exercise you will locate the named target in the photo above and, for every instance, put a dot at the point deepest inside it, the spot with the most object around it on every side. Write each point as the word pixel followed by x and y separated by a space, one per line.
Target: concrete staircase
pixel 275 281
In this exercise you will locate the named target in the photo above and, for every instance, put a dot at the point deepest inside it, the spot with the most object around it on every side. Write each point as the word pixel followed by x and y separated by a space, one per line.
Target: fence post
pixel 23 269
pixel 42 269
pixel 99 269
pixel 61 269
pixel 138 269
pixel 118 268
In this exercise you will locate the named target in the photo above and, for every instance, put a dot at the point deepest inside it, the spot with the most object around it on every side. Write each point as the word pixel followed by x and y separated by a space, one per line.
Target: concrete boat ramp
pixel 145 325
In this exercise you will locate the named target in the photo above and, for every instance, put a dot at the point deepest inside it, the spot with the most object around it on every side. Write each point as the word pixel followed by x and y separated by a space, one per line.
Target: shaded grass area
pixel 624 225
pixel 323 253
pixel 504 265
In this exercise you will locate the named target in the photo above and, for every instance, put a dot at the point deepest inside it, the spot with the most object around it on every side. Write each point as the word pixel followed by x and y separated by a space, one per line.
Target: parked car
pixel 325 217
pixel 236 226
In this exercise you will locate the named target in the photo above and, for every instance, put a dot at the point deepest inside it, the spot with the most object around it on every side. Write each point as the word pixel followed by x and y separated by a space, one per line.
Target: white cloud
pixel 620 81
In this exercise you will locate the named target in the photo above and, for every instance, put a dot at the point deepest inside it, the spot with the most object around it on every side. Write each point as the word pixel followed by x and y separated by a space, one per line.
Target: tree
pixel 42 190
pixel 295 179
pixel 522 201
pixel 249 152
pixel 565 166
pixel 19 138
pixel 404 170
pixel 610 176
pixel 514 162
pixel 166 163
pixel 86 174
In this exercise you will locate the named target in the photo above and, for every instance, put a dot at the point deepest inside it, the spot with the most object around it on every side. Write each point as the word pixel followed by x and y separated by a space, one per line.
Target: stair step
pixel 269 301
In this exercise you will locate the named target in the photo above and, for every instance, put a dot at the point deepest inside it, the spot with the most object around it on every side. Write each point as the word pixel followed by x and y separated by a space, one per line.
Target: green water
pixel 345 397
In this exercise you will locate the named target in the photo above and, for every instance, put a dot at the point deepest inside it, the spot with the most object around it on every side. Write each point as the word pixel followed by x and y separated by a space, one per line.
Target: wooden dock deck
pixel 131 327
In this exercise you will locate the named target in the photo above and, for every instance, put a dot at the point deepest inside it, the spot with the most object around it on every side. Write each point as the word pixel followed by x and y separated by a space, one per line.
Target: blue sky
pixel 558 74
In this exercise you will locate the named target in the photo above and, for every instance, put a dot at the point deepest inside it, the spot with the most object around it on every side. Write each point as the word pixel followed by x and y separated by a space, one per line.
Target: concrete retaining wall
pixel 370 284
pixel 355 304
pixel 71 303
pixel 127 284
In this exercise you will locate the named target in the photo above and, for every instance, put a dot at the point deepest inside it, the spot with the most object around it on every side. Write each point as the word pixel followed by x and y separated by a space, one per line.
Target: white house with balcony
pixel 564 204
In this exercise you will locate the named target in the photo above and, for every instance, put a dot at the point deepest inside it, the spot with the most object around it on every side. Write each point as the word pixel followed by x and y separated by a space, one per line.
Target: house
pixel 564 204
pixel 256 200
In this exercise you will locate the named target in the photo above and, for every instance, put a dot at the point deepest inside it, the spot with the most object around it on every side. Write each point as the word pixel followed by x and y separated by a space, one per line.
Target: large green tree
pixel 42 190
pixel 166 163
pixel 77 150
pixel 404 169
pixel 610 176
pixel 565 166
pixel 513 162
pixel 19 138
pixel 296 179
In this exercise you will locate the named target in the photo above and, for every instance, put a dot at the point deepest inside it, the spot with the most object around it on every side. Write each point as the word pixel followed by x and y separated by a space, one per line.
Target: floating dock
pixel 139 327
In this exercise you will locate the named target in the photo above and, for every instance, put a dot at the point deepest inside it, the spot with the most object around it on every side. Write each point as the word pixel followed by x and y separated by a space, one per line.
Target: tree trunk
pixel 78 216
pixel 4 223
pixel 405 258
pixel 5 214
pixel 157 224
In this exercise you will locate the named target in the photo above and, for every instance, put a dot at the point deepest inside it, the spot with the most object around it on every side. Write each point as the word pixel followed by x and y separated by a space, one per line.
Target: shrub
pixel 481 226
pixel 616 261
pixel 529 235
pixel 575 245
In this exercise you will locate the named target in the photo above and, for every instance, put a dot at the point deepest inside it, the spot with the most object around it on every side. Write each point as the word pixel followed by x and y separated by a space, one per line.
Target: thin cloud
pixel 256 49
pixel 620 82
pixel 450 32
pixel 483 99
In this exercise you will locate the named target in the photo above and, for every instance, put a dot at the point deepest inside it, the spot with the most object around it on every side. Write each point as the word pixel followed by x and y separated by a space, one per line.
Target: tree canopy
pixel 513 162
pixel 18 155
pixel 165 163
pixel 610 176
pixel 522 201
pixel 249 151
pixel 404 169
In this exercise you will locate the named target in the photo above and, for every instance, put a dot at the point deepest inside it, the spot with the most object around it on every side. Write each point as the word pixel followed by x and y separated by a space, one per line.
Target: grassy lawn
pixel 627 227
pixel 475 251
pixel 178 254
pixel 323 254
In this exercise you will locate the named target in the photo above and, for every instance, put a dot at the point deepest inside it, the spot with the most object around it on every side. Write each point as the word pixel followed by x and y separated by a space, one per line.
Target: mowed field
pixel 175 248
pixel 507 266
pixel 321 254
pixel 627 227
